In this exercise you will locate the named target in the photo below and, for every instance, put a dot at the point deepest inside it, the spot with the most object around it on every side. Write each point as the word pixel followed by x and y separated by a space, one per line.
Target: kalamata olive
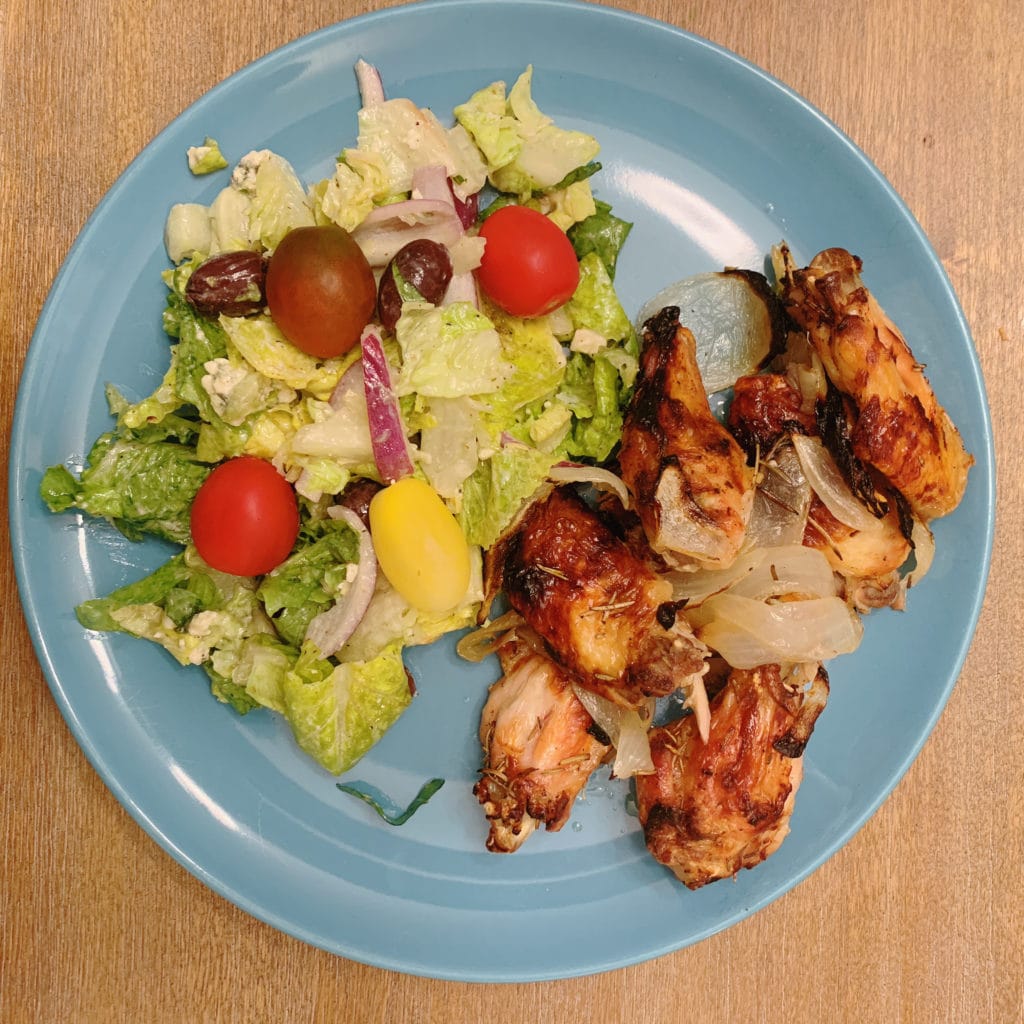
pixel 230 282
pixel 423 265
pixel 357 496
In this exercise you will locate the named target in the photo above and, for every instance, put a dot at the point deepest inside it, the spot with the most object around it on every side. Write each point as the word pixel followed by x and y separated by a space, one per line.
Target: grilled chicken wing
pixel 765 409
pixel 713 808
pixel 897 424
pixel 692 485
pixel 764 412
pixel 540 747
pixel 603 612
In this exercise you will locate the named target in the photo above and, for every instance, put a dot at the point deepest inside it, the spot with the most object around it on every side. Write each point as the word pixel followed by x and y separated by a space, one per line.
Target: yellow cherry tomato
pixel 420 547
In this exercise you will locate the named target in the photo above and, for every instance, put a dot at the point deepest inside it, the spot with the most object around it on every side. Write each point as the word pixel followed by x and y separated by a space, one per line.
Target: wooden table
pixel 919 918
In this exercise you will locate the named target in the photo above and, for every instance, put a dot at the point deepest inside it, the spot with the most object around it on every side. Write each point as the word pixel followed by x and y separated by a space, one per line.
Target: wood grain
pixel 919 918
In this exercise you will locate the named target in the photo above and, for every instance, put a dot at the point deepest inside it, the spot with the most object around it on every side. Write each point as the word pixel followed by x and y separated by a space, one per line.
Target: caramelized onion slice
pixel 625 728
pixel 730 314
pixel 924 552
pixel 748 633
pixel 827 482
pixel 788 570
pixel 781 500
pixel 483 642
pixel 602 479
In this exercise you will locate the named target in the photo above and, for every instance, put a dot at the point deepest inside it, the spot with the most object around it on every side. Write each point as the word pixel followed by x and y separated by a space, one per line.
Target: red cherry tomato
pixel 245 517
pixel 320 290
pixel 529 267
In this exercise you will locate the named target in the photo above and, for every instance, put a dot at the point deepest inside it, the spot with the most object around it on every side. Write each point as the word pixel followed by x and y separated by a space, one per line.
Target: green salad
pixel 458 393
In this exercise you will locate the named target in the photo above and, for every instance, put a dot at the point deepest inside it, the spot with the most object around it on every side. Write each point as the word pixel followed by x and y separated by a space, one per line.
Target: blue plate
pixel 714 161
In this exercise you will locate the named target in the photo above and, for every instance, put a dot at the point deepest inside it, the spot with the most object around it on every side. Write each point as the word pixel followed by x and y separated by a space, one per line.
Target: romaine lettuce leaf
pixel 538 364
pixel 140 488
pixel 602 233
pixel 309 580
pixel 593 391
pixel 448 351
pixel 525 151
pixel 279 201
pixel 595 306
pixel 390 619
pixel 338 712
pixel 497 489
pixel 261 343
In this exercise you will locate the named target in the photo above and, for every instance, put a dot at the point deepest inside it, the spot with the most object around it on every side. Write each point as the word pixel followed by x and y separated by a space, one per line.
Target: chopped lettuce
pixel 187 231
pixel 207 158
pixel 450 444
pixel 448 351
pixel 391 619
pixel 602 233
pixel 537 363
pixel 489 402
pixel 310 580
pixel 395 138
pixel 279 200
pixel 593 391
pixel 337 712
pixel 260 342
pixel 525 150
pixel 499 486
pixel 141 488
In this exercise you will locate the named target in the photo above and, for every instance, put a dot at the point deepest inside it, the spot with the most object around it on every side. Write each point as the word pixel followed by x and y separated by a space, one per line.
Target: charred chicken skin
pixel 690 479
pixel 765 410
pixel 897 424
pixel 713 808
pixel 602 611
pixel 540 747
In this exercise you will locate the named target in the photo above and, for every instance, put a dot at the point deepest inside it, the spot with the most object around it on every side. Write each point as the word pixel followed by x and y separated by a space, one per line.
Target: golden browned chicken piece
pixel 765 409
pixel 540 747
pixel 868 562
pixel 897 424
pixel 764 412
pixel 602 611
pixel 713 808
pixel 690 479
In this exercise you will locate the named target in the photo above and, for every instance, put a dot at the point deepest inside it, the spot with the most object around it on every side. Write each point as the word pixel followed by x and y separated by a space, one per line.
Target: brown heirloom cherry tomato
pixel 320 290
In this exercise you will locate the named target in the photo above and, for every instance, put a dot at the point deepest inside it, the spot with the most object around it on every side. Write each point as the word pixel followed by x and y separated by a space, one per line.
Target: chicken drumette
pixel 712 808
pixel 692 487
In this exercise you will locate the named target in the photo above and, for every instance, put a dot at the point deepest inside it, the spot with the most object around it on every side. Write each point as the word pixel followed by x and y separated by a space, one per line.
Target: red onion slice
pixel 387 228
pixel 331 628
pixel 431 182
pixel 351 380
pixel 467 208
pixel 387 434
pixel 371 86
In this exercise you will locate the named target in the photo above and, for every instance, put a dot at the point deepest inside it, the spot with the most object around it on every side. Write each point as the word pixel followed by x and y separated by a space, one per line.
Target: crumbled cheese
pixel 243 177
pixel 220 379
pixel 588 342
pixel 466 253
pixel 201 623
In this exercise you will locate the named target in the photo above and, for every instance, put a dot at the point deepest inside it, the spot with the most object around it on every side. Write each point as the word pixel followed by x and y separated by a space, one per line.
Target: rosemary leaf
pixel 427 790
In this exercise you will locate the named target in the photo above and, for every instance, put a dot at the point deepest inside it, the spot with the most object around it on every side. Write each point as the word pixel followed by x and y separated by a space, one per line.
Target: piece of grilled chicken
pixel 713 808
pixel 540 747
pixel 602 611
pixel 690 479
pixel 765 411
pixel 897 424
